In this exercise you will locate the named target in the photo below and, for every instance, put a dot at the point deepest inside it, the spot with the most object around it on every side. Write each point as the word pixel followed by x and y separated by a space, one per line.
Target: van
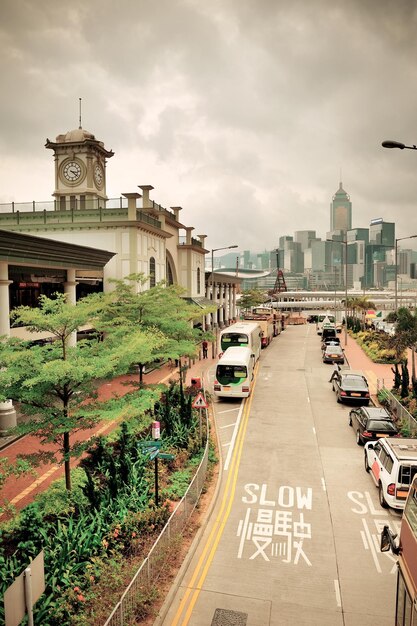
pixel 392 464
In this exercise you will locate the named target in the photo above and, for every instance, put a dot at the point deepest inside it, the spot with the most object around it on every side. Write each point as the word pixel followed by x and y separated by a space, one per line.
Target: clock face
pixel 72 171
pixel 98 174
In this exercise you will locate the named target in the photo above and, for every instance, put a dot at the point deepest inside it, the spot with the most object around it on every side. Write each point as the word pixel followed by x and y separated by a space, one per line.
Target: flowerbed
pixel 95 536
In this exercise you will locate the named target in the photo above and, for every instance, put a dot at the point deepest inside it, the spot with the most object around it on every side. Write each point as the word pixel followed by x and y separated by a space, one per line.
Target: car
pixel 350 386
pixel 371 423
pixel 333 354
pixel 331 341
pixel 328 332
pixel 392 463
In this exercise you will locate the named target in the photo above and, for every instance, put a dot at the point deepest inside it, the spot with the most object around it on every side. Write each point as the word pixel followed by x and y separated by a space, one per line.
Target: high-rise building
pixel 382 233
pixel 341 211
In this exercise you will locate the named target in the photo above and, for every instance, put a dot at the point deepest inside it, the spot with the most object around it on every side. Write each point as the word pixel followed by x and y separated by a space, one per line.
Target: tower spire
pixel 80 113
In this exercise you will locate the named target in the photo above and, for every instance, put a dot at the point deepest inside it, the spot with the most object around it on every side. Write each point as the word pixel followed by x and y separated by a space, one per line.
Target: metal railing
pixel 152 566
pixel 401 416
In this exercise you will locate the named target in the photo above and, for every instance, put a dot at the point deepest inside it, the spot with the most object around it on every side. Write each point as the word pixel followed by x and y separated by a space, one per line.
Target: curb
pixel 163 612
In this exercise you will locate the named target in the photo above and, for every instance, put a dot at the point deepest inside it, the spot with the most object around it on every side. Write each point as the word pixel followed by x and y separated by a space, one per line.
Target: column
pixel 234 302
pixel 208 316
pixel 226 305
pixel 230 302
pixel 221 310
pixel 7 410
pixel 70 292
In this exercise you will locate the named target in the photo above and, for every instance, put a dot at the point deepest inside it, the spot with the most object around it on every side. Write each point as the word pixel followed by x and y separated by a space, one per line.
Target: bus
pixel 242 334
pixel 234 373
pixel 269 321
pixel 406 595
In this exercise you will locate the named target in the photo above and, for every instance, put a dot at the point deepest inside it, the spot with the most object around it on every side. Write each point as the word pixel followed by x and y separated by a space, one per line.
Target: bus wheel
pixel 381 497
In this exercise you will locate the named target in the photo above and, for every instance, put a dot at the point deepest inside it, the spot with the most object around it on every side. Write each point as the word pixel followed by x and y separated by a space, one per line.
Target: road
pixel 294 535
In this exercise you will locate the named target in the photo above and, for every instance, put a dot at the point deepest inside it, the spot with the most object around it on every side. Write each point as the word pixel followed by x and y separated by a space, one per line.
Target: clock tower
pixel 80 170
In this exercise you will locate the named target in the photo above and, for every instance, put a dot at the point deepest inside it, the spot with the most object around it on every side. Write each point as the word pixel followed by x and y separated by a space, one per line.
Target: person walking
pixel 205 349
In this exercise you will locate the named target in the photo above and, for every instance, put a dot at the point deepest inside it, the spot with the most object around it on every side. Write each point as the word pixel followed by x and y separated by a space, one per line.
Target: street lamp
pixel 396 268
pixel 212 279
pixel 388 143
pixel 345 243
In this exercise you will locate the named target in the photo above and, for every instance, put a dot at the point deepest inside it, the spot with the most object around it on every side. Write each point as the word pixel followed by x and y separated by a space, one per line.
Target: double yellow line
pixel 185 609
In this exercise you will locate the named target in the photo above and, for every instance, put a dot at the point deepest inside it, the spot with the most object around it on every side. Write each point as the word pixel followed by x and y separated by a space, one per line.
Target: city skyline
pixel 242 113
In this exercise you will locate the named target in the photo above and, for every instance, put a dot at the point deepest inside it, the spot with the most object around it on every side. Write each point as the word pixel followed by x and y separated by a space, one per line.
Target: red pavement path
pixel 20 492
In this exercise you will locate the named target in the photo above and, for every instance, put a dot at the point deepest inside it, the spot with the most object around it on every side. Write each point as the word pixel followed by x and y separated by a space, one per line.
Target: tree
pixel 251 298
pixel 162 309
pixel 55 383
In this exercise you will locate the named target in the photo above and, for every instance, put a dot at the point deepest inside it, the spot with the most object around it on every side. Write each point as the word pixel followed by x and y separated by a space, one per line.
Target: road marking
pixel 337 592
pixel 236 408
pixel 35 484
pixel 227 425
pixel 323 484
pixel 370 544
pixel 232 441
pixel 212 542
pixel 314 430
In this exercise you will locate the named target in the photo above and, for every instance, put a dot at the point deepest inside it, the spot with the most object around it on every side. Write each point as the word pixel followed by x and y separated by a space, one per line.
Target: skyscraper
pixel 341 211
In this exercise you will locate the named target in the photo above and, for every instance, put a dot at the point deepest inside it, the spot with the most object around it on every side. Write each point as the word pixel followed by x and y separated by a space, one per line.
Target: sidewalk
pixel 20 492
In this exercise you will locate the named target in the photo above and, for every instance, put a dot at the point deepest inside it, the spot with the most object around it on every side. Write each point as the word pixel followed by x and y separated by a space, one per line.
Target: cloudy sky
pixel 244 112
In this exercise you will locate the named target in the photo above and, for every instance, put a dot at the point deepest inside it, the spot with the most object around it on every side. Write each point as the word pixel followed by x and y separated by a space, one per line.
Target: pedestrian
pixel 205 349
pixel 335 372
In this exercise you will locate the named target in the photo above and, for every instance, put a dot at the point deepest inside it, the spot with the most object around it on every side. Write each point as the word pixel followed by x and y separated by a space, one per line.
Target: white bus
pixel 243 335
pixel 234 373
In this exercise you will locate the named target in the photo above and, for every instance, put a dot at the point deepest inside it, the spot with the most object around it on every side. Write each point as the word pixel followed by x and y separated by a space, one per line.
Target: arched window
pixel 152 274
pixel 198 280
pixel 169 274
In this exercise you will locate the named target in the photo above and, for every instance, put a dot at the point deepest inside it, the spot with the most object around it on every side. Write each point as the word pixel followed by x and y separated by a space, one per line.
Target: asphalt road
pixel 294 534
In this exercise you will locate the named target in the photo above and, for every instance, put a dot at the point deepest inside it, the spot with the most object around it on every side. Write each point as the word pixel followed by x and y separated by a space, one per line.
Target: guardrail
pixel 151 567
pixel 398 411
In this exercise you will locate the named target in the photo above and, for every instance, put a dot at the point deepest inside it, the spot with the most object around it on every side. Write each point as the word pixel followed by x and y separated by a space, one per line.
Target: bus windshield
pixel 231 374
pixel 234 339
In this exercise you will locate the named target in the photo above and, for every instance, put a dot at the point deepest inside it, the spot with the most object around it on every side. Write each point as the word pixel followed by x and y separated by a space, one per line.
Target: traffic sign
pixel 200 402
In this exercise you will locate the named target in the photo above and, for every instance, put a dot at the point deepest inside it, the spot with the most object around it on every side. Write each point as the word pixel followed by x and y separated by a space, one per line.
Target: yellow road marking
pixel 219 524
pixel 35 484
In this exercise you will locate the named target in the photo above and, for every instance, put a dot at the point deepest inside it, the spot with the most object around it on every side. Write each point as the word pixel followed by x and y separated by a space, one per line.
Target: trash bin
pixel 196 383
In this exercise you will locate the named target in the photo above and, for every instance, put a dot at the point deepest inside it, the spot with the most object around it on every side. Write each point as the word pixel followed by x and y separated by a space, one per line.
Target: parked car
pixel 350 386
pixel 331 341
pixel 371 423
pixel 333 354
pixel 328 332
pixel 392 464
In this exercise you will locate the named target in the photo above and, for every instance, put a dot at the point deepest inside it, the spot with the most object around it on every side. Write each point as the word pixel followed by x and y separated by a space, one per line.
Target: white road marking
pixel 232 441
pixel 337 592
pixel 314 430
pixel 227 425
pixel 371 546
pixel 228 410
pixel 323 484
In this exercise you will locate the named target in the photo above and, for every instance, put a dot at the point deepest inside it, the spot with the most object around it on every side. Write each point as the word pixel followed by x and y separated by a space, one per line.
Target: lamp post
pixel 345 243
pixel 212 285
pixel 388 143
pixel 396 268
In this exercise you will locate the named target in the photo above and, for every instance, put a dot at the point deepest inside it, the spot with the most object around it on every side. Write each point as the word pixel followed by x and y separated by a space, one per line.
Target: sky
pixel 246 113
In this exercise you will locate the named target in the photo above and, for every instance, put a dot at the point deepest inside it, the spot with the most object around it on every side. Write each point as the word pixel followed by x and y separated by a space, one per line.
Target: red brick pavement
pixel 20 492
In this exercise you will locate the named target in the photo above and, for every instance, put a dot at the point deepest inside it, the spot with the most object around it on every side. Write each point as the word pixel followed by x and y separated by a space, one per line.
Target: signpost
pixel 24 592
pixel 152 448
pixel 200 403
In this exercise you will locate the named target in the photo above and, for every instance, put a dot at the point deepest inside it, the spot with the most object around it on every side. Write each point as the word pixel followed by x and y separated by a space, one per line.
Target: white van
pixel 392 463
pixel 234 373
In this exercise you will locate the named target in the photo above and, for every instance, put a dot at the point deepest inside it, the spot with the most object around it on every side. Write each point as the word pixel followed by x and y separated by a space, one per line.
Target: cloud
pixel 242 112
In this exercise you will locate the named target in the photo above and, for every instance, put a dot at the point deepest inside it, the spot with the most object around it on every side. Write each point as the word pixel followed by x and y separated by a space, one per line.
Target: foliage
pixel 250 298
pixel 55 383
pixel 7 469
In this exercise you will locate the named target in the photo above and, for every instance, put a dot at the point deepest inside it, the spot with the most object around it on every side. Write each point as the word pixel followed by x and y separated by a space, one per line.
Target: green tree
pixel 251 298
pixel 55 383
pixel 160 309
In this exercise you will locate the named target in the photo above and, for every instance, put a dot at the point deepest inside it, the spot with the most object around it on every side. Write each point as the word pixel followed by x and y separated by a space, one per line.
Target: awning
pixel 202 302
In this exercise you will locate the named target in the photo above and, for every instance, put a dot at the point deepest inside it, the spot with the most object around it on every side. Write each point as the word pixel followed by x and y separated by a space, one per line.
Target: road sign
pixel 200 402
pixel 164 455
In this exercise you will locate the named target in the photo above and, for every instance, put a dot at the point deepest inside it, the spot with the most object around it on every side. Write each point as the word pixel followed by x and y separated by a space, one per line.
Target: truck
pixel 269 321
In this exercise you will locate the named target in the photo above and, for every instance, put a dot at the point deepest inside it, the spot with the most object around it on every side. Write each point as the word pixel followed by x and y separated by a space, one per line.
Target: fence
pixel 151 567
pixel 400 414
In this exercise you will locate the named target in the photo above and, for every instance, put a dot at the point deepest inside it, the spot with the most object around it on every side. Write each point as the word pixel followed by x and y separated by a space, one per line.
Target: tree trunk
pixel 67 461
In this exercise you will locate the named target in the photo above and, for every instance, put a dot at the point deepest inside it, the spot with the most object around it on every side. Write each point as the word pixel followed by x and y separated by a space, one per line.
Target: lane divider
pixel 200 572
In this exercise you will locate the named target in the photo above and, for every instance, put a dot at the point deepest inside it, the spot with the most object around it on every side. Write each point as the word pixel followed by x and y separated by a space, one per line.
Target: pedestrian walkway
pixel 20 492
